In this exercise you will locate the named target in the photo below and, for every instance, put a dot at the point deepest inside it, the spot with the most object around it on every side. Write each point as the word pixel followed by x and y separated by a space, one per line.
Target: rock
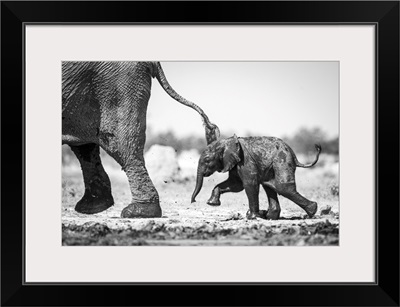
pixel 325 210
pixel 162 164
pixel 335 190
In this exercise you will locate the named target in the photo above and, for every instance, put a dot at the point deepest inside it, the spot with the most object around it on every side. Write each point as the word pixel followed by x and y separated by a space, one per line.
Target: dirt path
pixel 197 225
pixel 183 223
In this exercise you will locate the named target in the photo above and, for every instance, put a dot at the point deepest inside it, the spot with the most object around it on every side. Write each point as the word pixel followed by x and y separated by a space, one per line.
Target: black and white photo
pixel 200 153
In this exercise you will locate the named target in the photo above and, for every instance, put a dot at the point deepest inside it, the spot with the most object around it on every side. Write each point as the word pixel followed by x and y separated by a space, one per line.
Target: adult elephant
pixel 104 105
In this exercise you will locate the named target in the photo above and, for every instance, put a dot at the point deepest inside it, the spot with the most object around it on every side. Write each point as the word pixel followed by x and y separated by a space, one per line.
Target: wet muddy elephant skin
pixel 251 162
pixel 104 105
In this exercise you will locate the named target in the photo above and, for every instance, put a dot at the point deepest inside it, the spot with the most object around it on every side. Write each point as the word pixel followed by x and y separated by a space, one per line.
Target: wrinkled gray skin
pixel 251 162
pixel 104 105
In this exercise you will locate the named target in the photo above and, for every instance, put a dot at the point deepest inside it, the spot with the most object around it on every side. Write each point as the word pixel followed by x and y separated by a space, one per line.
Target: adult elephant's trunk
pixel 199 182
pixel 212 130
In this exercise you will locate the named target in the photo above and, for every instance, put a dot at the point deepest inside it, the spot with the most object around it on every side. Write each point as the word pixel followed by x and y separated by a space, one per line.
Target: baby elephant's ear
pixel 231 157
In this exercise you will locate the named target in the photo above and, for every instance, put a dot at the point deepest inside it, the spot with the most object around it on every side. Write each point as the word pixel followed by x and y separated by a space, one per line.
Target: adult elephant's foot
pixel 140 210
pixel 90 204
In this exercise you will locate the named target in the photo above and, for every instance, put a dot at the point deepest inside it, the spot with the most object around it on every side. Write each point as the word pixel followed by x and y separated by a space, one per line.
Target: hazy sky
pixel 256 98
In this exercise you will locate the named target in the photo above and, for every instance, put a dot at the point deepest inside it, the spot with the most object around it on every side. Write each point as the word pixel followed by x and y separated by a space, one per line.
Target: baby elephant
pixel 252 161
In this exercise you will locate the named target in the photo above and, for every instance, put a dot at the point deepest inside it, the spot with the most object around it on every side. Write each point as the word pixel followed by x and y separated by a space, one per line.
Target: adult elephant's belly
pixel 80 122
pixel 72 140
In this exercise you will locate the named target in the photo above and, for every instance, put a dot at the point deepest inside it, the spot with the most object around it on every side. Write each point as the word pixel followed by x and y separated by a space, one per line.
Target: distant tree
pixel 179 144
pixel 331 146
pixel 303 141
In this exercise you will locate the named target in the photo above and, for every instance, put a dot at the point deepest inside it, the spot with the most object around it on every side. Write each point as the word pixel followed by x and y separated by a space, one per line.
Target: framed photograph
pixel 241 149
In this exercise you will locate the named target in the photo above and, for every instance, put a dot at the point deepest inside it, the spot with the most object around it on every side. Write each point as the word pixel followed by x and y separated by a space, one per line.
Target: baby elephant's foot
pixel 311 209
pixel 272 214
pixel 251 215
pixel 264 214
pixel 214 200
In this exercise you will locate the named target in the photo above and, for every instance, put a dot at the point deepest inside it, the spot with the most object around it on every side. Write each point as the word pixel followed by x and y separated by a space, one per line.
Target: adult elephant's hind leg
pixel 97 195
pixel 125 137
pixel 145 200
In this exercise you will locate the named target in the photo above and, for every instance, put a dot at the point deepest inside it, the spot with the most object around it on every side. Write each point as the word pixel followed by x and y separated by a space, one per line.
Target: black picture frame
pixel 383 14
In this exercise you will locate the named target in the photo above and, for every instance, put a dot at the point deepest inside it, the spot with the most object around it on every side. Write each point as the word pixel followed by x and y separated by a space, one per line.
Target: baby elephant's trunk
pixel 199 182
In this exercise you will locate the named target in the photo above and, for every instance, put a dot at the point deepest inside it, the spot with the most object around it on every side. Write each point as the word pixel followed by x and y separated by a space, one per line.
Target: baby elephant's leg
pixel 232 184
pixel 252 191
pixel 289 191
pixel 274 209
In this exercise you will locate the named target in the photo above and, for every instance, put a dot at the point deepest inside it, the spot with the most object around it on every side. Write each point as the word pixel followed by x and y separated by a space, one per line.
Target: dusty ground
pixel 183 223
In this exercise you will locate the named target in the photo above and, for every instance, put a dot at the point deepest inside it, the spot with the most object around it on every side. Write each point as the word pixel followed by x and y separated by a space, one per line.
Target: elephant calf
pixel 252 161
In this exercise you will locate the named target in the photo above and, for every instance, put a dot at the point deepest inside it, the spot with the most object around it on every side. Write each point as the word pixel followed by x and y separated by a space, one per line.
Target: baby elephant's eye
pixel 211 164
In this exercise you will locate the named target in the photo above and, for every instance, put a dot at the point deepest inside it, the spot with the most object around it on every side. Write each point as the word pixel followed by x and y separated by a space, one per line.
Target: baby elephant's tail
pixel 298 164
